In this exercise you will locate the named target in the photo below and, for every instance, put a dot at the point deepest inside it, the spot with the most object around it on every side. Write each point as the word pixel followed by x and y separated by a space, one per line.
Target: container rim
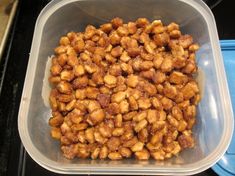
pixel 194 168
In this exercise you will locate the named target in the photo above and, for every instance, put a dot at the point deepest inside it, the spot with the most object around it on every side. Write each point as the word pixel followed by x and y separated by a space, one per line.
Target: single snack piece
pixel 124 90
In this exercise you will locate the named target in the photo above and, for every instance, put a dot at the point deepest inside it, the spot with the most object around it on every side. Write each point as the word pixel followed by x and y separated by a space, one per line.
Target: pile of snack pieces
pixel 124 90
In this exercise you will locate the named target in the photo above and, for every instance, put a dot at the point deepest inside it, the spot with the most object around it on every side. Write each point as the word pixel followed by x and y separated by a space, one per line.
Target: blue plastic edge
pixel 225 45
pixel 221 171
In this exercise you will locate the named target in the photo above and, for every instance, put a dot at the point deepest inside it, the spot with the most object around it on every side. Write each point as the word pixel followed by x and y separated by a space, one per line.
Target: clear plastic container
pixel 215 117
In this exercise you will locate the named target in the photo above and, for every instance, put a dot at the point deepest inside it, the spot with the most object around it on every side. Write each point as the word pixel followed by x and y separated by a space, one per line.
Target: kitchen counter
pixel 13 158
pixel 7 12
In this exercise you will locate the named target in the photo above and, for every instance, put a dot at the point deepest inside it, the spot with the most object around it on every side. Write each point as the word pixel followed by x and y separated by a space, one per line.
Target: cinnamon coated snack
pixel 124 90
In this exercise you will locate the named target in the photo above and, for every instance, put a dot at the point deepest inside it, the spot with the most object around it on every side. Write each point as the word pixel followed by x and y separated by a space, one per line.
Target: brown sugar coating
pixel 124 90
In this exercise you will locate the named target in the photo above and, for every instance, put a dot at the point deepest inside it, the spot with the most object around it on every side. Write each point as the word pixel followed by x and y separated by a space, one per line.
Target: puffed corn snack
pixel 124 90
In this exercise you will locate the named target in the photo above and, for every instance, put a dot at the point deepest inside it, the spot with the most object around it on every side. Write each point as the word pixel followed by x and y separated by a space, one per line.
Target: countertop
pixel 13 158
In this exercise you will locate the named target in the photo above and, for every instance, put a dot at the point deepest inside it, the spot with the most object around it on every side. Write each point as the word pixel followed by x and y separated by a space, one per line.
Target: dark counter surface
pixel 13 158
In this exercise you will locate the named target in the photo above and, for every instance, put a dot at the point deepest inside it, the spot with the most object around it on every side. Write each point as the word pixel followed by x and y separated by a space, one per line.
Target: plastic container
pixel 215 117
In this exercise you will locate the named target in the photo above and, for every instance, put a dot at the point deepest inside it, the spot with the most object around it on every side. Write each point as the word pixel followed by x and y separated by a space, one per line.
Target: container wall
pixel 75 16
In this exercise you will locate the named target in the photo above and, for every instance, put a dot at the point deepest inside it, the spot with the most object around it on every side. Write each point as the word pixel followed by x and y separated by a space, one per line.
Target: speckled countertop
pixel 4 16
pixel 7 12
